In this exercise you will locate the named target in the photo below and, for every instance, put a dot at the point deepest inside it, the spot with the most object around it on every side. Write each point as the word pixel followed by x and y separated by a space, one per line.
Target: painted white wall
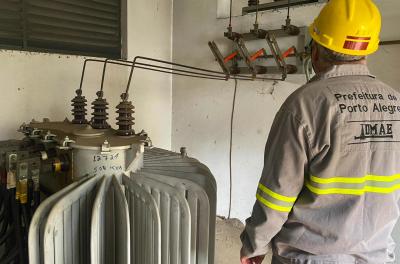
pixel 201 109
pixel 37 85
pixel 150 34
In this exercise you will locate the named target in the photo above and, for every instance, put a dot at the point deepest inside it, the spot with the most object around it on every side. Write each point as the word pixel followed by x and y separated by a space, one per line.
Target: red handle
pixel 230 56
pixel 259 53
pixel 288 52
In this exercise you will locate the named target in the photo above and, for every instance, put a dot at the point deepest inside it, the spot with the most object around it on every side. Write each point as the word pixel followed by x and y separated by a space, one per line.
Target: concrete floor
pixel 228 242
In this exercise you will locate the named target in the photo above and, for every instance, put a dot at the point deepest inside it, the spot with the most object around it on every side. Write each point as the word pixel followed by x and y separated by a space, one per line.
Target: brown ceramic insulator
pixel 79 109
pixel 100 115
pixel 125 118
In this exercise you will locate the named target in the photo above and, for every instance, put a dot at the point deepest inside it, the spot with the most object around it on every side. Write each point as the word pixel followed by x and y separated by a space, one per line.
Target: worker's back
pixel 330 186
pixel 348 206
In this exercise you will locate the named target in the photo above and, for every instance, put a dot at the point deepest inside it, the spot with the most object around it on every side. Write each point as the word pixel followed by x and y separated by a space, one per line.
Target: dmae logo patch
pixel 375 131
pixel 380 133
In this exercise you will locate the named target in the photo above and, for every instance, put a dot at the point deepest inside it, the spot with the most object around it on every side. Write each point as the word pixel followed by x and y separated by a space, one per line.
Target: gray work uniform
pixel 330 187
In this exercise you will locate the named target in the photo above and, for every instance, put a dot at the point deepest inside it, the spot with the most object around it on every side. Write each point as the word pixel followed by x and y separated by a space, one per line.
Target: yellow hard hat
pixel 349 27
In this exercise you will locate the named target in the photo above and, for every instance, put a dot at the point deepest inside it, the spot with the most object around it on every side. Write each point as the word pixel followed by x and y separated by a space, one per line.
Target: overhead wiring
pixel 231 150
pixel 172 68
pixel 256 23
pixel 230 16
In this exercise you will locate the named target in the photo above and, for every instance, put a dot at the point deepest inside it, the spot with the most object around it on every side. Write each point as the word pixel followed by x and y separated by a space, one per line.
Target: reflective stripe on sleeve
pixel 272 205
pixel 355 185
pixel 274 200
pixel 356 180
pixel 276 195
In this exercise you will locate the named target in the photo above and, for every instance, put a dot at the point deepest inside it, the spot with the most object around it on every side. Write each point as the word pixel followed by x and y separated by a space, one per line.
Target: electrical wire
pixel 3 219
pixel 2 212
pixel 231 150
pixel 84 69
pixel 104 73
pixel 3 229
pixel 230 15
pixel 30 198
pixel 16 213
pixel 7 235
pixel 176 70
pixel 10 257
pixel 36 201
pixel 223 75
pixel 256 23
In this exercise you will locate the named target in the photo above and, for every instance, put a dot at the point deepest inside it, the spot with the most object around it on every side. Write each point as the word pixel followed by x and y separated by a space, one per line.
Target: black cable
pixel 17 225
pixel 36 201
pixel 3 220
pixel 230 150
pixel 26 223
pixel 10 257
pixel 25 217
pixel 2 211
pixel 3 230
pixel 8 234
pixel 6 221
pixel 30 198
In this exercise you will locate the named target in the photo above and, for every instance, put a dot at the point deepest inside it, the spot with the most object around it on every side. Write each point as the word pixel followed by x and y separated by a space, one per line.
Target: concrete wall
pixel 201 109
pixel 37 85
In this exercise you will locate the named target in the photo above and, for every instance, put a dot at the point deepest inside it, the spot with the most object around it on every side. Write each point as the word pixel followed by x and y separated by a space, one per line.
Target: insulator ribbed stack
pixel 125 118
pixel 100 115
pixel 79 108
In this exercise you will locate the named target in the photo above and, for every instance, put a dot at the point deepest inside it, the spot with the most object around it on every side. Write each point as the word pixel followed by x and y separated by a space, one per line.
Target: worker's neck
pixel 324 67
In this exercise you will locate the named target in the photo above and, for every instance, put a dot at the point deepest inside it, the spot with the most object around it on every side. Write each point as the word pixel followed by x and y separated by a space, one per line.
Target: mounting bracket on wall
pixel 276 4
pixel 242 53
pixel 230 63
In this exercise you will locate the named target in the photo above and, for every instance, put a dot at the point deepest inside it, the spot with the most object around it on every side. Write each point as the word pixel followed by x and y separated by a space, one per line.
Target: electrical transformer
pixel 82 192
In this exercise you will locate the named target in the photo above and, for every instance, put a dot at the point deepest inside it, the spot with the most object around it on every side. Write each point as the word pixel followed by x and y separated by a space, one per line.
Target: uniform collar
pixel 344 70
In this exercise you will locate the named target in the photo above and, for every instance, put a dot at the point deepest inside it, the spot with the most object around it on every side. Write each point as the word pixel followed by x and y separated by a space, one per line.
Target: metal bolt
pixel 105 147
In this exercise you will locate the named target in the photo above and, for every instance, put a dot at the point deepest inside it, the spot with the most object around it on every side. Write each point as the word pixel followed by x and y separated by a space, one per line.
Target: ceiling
pixel 390 10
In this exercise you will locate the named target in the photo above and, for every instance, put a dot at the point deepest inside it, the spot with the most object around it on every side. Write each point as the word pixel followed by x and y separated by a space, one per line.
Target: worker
pixel 329 190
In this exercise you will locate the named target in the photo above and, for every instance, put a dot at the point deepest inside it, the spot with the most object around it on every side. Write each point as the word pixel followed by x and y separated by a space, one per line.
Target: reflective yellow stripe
pixel 365 189
pixel 356 180
pixel 272 205
pixel 276 195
